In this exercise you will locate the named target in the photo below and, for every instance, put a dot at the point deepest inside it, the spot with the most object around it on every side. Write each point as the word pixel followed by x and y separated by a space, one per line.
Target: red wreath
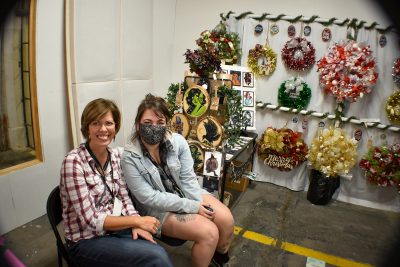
pixel 298 54
pixel 347 70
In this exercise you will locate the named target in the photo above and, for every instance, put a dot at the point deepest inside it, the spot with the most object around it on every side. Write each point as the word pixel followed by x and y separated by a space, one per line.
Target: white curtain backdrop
pixel 354 189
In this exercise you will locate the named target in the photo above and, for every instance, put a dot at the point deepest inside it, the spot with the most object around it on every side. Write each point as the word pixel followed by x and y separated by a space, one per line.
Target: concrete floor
pixel 345 234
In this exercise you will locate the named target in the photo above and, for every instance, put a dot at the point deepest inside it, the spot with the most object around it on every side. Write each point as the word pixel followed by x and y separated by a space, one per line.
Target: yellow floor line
pixel 299 250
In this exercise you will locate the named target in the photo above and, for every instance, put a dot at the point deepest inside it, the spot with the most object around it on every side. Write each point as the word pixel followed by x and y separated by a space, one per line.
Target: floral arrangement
pixel 282 148
pixel 332 152
pixel 347 70
pixel 203 62
pixel 393 108
pixel 382 165
pixel 294 93
pixel 298 54
pixel 226 43
pixel 268 57
pixel 396 72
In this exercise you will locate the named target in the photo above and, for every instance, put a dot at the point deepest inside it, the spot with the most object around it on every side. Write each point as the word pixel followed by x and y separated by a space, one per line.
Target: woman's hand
pixel 206 211
pixel 148 223
pixel 136 232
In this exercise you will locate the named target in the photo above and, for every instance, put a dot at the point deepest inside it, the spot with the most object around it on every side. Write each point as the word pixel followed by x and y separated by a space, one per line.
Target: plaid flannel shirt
pixel 86 201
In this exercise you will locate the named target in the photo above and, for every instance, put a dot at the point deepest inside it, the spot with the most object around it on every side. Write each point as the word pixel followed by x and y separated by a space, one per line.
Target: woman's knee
pixel 208 233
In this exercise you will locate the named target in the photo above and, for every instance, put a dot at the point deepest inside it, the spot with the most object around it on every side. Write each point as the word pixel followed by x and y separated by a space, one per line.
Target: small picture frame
pixel 210 184
pixel 248 79
pixel 212 163
pixel 248 116
pixel 248 98
pixel 236 77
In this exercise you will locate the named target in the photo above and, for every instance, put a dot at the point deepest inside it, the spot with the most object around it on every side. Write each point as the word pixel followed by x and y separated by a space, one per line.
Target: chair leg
pixel 59 258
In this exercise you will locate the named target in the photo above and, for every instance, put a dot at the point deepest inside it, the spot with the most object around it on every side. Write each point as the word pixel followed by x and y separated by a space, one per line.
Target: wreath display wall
pixel 294 93
pixel 382 165
pixel 347 70
pixel 261 60
pixel 283 149
pixel 298 54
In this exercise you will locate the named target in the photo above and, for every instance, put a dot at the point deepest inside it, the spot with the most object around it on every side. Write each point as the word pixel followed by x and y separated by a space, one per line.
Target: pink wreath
pixel 347 70
pixel 298 54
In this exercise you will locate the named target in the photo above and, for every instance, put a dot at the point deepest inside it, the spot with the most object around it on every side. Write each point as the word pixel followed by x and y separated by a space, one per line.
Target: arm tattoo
pixel 185 217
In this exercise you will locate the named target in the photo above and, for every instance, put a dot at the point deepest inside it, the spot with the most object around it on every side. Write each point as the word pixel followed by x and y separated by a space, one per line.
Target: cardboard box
pixel 241 183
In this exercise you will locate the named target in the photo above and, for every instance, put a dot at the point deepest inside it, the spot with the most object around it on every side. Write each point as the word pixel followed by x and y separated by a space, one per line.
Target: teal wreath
pixel 294 93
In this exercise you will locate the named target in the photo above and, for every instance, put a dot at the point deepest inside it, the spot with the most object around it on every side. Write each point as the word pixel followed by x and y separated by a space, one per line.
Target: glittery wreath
pixel 294 93
pixel 282 148
pixel 382 165
pixel 393 108
pixel 332 152
pixel 226 43
pixel 298 54
pixel 267 57
pixel 347 70
pixel 396 72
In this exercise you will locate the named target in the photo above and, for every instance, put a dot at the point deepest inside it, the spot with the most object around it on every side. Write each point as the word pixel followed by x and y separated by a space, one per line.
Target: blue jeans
pixel 118 249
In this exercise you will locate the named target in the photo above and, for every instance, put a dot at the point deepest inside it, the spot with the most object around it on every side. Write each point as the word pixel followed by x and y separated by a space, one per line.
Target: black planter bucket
pixel 321 187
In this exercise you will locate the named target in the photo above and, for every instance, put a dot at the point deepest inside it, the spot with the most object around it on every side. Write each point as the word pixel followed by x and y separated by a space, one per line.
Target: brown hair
pixel 157 104
pixel 95 110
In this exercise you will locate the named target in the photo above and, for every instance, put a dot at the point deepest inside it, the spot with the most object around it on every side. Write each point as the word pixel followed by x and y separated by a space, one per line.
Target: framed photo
pixel 248 98
pixel 212 163
pixel 248 116
pixel 248 79
pixel 236 77
pixel 210 184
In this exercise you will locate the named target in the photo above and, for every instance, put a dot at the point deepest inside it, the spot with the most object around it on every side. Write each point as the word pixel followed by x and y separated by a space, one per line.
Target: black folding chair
pixel 54 213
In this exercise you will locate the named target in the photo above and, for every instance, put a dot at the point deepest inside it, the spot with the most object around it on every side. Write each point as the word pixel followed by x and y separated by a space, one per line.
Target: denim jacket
pixel 145 183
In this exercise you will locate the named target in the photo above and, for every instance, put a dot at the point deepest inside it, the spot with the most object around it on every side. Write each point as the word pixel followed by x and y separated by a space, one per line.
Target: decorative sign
pixel 280 162
pixel 291 31
pixel 326 35
pixel 307 30
pixel 196 101
pixel 180 124
pixel 258 29
pixel 274 29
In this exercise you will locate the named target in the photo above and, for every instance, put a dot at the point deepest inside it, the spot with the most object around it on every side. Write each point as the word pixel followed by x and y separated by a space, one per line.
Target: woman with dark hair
pixel 102 228
pixel 158 169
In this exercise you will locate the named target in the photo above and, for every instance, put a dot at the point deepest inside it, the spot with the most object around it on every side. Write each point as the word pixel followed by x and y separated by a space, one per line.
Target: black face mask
pixel 152 134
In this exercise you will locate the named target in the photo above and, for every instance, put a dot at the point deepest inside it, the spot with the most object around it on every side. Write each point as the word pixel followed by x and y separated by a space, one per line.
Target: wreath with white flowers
pixel 294 93
pixel 396 72
pixel 393 108
pixel 261 60
pixel 298 54
pixel 347 70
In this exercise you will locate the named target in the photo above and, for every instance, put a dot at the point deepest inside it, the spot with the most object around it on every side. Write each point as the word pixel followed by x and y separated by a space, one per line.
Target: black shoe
pixel 220 259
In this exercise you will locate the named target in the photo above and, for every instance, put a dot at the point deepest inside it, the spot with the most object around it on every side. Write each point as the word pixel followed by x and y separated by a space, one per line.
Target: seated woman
pixel 158 169
pixel 102 228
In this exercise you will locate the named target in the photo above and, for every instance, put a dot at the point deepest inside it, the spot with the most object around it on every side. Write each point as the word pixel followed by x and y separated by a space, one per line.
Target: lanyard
pixel 101 170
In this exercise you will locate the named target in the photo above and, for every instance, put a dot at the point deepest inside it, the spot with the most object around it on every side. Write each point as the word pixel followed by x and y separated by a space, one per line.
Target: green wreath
pixel 268 57
pixel 294 93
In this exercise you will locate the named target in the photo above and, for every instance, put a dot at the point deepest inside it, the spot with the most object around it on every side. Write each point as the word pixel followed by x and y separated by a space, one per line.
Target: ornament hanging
pixel 298 54
pixel 291 31
pixel 258 29
pixel 307 30
pixel 274 29
pixel 382 40
pixel 326 35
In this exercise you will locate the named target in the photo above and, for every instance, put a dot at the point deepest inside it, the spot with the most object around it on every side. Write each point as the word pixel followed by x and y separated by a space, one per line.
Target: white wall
pixel 23 193
pixel 176 26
